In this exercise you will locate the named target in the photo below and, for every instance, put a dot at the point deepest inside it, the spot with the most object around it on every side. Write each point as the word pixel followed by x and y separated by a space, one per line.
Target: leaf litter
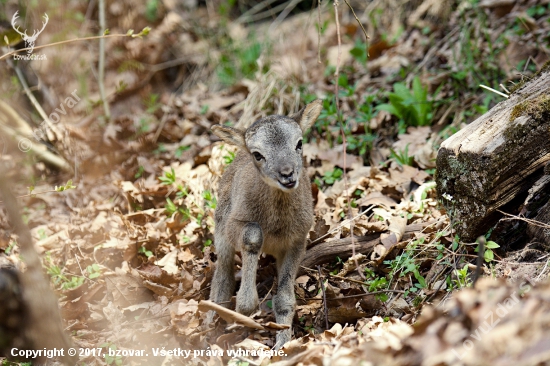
pixel 143 208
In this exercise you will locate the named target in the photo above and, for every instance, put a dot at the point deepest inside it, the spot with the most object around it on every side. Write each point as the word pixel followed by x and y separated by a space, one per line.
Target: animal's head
pixel 275 144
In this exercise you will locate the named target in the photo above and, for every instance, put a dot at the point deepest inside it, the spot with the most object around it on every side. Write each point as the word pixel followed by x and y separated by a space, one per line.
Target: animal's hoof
pixel 245 309
pixel 282 338
pixel 209 321
pixel 246 303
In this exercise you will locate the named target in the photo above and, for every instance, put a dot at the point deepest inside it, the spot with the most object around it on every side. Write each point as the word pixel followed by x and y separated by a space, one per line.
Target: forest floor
pixel 128 242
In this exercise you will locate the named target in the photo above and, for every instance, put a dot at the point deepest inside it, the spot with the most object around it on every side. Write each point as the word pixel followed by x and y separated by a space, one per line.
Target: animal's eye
pixel 257 156
pixel 299 146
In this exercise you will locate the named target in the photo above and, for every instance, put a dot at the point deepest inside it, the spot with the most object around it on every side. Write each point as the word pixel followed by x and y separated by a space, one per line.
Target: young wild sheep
pixel 264 205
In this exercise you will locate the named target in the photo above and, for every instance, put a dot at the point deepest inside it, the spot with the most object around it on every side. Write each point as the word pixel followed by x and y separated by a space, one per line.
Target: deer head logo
pixel 29 40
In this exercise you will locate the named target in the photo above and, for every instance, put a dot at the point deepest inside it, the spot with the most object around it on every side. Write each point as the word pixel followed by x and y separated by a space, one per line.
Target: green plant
pixel 152 103
pixel 209 199
pixel 326 120
pixel 488 255
pixel 454 244
pixel 225 7
pixel 58 277
pixel 160 149
pixel 462 279
pixel 359 52
pixel 338 265
pixel 10 363
pixel 346 89
pixel 538 11
pixel 330 177
pixel 206 244
pixel 151 10
pixel 210 202
pixel 94 271
pixel 10 247
pixel 376 283
pixel 412 107
pixel 144 251
pixel 42 234
pixel 171 209
pixel 109 358
pixel 139 173
pixel 405 264
pixel 238 61
pixel 402 158
pixel 168 177
pixel 144 126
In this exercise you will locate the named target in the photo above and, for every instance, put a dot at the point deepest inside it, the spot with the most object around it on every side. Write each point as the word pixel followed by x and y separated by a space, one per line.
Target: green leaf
pixel 388 108
pixel 491 245
pixel 489 256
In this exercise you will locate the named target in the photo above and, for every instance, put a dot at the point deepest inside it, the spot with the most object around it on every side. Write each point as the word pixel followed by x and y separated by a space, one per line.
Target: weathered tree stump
pixel 496 159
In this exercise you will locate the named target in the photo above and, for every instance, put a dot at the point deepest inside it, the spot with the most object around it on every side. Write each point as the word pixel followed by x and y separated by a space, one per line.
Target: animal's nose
pixel 286 171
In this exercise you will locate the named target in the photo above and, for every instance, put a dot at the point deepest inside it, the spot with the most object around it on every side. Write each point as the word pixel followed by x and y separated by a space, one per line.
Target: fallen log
pixel 496 159
pixel 327 251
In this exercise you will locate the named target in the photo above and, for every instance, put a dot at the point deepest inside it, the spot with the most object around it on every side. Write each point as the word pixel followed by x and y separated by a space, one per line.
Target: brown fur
pixel 264 205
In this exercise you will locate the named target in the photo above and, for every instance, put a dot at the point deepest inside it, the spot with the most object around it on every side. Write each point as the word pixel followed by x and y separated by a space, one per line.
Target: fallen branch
pixel 327 251
pixel 229 315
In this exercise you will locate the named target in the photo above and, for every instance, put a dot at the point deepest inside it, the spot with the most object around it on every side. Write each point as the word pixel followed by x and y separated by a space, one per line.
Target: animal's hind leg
pixel 223 282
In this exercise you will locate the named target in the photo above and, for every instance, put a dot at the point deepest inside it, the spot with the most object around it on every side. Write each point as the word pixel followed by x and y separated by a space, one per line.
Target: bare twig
pixel 266 14
pixel 336 276
pixel 283 15
pixel 67 41
pixel 324 295
pixel 318 31
pixel 254 10
pixel 347 279
pixel 101 66
pixel 529 221
pixel 337 71
pixel 360 295
pixel 494 91
pixel 359 22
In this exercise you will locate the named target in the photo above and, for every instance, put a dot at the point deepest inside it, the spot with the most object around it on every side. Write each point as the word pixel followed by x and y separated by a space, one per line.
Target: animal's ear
pixel 230 135
pixel 307 115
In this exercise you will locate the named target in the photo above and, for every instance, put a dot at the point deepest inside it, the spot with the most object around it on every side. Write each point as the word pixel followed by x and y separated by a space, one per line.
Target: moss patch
pixel 537 109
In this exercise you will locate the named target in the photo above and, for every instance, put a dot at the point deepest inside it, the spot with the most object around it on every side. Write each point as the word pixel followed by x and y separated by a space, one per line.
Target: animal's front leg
pixel 252 241
pixel 285 301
